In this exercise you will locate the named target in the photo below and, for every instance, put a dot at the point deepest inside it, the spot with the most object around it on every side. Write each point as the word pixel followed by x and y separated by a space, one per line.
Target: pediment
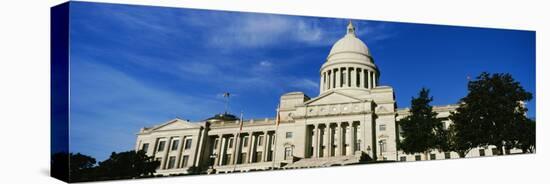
pixel 175 124
pixel 332 98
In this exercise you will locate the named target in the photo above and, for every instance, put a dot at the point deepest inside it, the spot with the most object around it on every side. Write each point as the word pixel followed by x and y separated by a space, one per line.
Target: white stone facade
pixel 353 120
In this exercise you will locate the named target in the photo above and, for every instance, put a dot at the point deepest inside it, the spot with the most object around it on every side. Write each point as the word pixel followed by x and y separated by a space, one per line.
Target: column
pixel 166 150
pixel 369 79
pixel 236 148
pixel 201 139
pixel 218 150
pixel 361 77
pixel 326 142
pixel 353 77
pixel 346 74
pixel 264 154
pixel 249 150
pixel 338 75
pixel 321 83
pixel 315 141
pixel 268 146
pixel 329 140
pixel 222 150
pixel 180 152
pixel 329 80
pixel 344 77
pixel 347 139
pixel 339 127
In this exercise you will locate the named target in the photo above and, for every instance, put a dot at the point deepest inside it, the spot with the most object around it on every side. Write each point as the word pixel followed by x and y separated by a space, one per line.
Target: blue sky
pixel 137 66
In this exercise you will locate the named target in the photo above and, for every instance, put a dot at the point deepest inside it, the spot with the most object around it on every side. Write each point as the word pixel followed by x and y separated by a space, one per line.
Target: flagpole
pixel 277 121
pixel 226 96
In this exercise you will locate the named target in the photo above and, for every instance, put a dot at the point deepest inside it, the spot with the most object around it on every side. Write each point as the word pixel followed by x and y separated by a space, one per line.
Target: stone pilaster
pixel 340 139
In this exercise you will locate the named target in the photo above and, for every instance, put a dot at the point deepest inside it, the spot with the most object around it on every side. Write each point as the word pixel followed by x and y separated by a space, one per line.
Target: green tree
pixel 125 165
pixel 450 140
pixel 59 164
pixel 527 136
pixel 81 167
pixel 491 113
pixel 420 128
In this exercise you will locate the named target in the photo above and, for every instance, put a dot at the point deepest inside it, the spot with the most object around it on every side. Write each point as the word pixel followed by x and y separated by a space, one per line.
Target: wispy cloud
pixel 108 107
pixel 231 31
pixel 136 66
pixel 264 30
pixel 305 84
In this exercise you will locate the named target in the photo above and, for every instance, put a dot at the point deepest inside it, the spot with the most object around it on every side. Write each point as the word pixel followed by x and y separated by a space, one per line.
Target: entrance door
pixel 288 153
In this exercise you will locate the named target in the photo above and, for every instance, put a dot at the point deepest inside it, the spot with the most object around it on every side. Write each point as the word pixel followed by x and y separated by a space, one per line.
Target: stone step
pixel 324 162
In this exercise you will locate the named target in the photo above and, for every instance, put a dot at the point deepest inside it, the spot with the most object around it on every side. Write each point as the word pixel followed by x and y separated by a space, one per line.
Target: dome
pixel 223 117
pixel 349 67
pixel 349 44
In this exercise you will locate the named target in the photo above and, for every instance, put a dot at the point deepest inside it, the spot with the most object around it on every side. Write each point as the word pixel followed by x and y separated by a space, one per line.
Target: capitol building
pixel 351 121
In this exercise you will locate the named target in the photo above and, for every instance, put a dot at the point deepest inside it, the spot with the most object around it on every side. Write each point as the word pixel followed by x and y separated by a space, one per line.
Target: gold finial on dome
pixel 351 29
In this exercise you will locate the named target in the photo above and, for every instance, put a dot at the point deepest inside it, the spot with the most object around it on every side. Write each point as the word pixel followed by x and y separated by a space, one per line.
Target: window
pixel 432 156
pixel 226 159
pixel 382 145
pixel 259 156
pixel 241 158
pixel 145 147
pixel 188 143
pixel 445 125
pixel 357 144
pixel 481 152
pixel 175 144
pixel 230 142
pixel 171 162
pixel 494 151
pixel 216 144
pixel 245 141
pixel 382 128
pixel 288 135
pixel 159 159
pixel 403 159
pixel 260 138
pixel 184 160
pixel 447 155
pixel 417 157
pixel 161 146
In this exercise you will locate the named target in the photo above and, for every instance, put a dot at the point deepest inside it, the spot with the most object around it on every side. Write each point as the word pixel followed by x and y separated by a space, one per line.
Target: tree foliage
pixel 80 166
pixel 449 141
pixel 491 113
pixel 420 129
pixel 123 165
pixel 60 166
pixel 527 136
pixel 129 164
